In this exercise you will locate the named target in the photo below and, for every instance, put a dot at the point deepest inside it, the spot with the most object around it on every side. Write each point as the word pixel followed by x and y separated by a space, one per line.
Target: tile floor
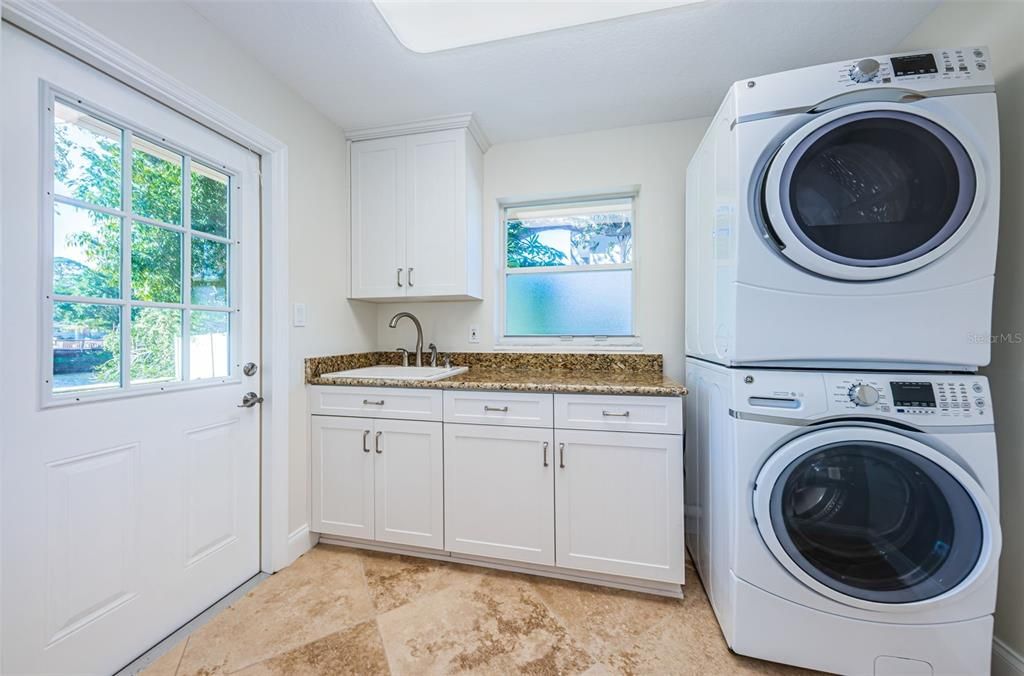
pixel 346 611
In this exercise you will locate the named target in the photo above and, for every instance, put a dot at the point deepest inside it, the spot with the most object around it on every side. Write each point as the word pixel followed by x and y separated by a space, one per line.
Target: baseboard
pixel 1005 660
pixel 300 541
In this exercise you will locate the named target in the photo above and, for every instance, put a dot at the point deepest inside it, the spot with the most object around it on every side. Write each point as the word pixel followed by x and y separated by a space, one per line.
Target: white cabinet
pixel 499 492
pixel 619 503
pixel 417 217
pixel 378 480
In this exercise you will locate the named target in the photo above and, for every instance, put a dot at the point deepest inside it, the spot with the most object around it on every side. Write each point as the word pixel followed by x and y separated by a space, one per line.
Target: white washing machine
pixel 845 521
pixel 846 215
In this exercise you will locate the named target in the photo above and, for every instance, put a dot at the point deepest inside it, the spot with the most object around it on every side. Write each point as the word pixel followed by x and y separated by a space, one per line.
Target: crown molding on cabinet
pixel 461 121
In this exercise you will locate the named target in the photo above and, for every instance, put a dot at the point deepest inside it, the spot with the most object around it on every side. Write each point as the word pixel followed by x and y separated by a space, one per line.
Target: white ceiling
pixel 666 65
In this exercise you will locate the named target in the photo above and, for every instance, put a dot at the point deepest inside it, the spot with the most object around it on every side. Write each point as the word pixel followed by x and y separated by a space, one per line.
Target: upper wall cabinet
pixel 417 208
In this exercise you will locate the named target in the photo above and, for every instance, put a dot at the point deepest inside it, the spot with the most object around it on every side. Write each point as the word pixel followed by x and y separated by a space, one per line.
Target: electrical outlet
pixel 474 334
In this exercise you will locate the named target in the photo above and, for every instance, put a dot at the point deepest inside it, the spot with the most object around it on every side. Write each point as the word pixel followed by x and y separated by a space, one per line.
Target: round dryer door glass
pixel 876 188
pixel 876 522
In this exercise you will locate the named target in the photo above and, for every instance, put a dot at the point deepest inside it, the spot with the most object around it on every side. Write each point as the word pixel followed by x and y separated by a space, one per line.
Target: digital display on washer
pixel 921 395
pixel 917 64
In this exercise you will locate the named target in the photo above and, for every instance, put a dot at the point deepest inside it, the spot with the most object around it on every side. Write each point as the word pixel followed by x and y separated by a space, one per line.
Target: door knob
pixel 250 399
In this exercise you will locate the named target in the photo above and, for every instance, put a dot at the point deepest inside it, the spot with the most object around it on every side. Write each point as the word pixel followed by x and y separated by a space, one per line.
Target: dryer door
pixel 875 519
pixel 870 191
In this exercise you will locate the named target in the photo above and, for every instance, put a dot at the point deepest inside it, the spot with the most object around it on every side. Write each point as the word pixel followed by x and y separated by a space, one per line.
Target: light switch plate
pixel 299 314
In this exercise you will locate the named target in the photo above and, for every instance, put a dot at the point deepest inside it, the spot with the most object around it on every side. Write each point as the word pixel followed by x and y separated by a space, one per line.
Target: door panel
pixel 499 492
pixel 619 503
pixel 123 517
pixel 408 483
pixel 378 218
pixel 342 476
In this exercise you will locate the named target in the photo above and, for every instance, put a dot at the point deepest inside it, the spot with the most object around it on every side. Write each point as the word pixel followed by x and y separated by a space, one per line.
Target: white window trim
pixel 131 129
pixel 503 342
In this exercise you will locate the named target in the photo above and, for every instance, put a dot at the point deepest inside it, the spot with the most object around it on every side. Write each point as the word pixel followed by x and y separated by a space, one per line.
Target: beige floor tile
pixel 357 650
pixel 321 593
pixel 396 580
pixel 498 625
pixel 167 665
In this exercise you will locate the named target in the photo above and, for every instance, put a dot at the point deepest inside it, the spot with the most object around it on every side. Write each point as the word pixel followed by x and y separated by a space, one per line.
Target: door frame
pixel 44 20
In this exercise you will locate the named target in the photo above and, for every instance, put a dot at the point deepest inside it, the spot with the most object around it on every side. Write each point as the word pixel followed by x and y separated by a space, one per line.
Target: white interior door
pixel 130 289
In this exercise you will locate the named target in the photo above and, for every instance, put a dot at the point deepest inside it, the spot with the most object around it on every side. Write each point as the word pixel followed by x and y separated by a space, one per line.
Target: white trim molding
pixel 461 121
pixel 53 25
pixel 1005 660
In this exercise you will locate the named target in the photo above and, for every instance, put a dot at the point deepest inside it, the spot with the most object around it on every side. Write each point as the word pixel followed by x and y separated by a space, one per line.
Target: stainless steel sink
pixel 399 372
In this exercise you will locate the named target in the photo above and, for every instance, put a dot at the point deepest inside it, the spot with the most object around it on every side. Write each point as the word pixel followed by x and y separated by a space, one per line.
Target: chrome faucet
pixel 419 333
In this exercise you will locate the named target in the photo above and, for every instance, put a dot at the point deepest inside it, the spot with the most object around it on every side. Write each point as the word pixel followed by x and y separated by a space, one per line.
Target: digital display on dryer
pixel 917 64
pixel 921 395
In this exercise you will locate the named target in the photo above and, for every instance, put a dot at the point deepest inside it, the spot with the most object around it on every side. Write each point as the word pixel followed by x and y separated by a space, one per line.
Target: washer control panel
pixel 963 63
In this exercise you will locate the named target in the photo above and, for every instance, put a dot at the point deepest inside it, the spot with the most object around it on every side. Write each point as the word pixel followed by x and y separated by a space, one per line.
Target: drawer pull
pixel 561 456
pixel 376 443
pixel 502 409
pixel 545 454
pixel 366 433
pixel 612 414
pixel 367 402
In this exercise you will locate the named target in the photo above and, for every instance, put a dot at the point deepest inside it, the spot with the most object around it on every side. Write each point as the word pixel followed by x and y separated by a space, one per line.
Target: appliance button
pixel 979 402
pixel 976 387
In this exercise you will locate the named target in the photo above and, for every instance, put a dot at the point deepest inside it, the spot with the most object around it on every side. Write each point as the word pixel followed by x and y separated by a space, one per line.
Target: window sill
pixel 631 344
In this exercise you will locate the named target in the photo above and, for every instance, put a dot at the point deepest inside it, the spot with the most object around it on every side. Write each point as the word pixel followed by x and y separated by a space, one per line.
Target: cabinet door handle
pixel 376 443
pixel 408 276
pixel 561 456
pixel 399 275
pixel 501 409
pixel 545 454
pixel 366 433
pixel 367 402
pixel 612 414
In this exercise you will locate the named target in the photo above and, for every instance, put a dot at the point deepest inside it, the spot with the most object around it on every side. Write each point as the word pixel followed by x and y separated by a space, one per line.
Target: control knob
pixel 864 70
pixel 863 395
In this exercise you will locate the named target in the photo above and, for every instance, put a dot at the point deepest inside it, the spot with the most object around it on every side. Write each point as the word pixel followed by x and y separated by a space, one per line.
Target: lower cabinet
pixel 499 492
pixel 619 503
pixel 378 480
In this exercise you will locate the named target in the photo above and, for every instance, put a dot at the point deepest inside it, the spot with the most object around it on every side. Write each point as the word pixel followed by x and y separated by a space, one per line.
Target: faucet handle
pixel 433 354
pixel 405 355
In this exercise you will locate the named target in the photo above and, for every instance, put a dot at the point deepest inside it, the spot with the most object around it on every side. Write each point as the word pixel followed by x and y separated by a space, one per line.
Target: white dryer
pixel 845 521
pixel 846 215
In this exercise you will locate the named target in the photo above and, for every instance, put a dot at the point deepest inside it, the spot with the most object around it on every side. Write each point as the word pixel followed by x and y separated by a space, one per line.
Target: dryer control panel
pixel 914 398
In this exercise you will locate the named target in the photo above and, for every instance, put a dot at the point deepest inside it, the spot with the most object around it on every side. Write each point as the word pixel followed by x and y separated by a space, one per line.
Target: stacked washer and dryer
pixel 841 479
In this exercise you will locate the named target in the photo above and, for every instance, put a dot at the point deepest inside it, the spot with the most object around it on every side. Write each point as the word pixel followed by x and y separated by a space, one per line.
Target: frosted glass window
pixel 570 304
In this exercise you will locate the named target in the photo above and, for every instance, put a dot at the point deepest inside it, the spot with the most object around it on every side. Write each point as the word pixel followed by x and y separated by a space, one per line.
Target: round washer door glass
pixel 876 188
pixel 876 522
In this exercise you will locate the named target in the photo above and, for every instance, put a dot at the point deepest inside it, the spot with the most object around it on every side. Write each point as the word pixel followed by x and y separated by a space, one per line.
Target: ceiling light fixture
pixel 435 25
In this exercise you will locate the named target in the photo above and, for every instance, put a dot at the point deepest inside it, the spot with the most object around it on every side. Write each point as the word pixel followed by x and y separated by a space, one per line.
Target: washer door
pixel 873 518
pixel 870 191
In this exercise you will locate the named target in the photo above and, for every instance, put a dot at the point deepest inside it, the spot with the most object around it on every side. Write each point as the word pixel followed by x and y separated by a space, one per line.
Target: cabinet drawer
pixel 663 415
pixel 375 402
pixel 519 409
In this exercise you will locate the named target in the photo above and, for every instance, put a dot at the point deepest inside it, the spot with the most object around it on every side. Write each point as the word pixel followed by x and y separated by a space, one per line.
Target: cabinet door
pixel 379 204
pixel 436 219
pixel 499 492
pixel 342 476
pixel 619 503
pixel 409 483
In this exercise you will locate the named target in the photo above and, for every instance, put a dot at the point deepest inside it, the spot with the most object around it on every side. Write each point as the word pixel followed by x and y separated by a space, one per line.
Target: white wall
pixel 179 41
pixel 651 156
pixel 1000 25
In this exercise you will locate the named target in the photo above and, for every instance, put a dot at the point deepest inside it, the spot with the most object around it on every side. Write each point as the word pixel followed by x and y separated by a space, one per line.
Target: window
pixel 140 258
pixel 568 271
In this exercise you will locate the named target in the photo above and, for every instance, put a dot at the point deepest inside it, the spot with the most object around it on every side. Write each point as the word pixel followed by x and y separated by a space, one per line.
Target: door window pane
pixel 86 346
pixel 209 345
pixel 597 303
pixel 209 200
pixel 86 157
pixel 156 264
pixel 209 272
pixel 86 253
pixel 156 182
pixel 156 345
pixel 593 233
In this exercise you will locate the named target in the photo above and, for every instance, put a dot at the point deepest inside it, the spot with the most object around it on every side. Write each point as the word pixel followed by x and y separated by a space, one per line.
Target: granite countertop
pixel 516 372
